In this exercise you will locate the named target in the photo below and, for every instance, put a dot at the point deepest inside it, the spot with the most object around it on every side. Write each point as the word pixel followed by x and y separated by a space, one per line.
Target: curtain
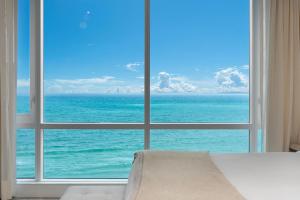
pixel 280 72
pixel 7 97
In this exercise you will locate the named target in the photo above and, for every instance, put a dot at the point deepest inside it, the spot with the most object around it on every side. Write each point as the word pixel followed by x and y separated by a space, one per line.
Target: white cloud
pixel 99 85
pixel 103 79
pixel 125 90
pixel 133 66
pixel 244 67
pixel 226 80
pixel 231 80
pixel 23 82
pixel 168 83
pixel 77 86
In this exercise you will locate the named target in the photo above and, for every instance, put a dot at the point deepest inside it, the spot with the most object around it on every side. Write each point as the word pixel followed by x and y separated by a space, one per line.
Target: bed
pixel 256 176
pixel 259 176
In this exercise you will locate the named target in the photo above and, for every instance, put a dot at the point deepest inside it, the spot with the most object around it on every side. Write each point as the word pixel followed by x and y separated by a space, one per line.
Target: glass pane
pixel 23 74
pixel 260 144
pixel 25 153
pixel 199 61
pixel 220 141
pixel 93 60
pixel 200 108
pixel 90 153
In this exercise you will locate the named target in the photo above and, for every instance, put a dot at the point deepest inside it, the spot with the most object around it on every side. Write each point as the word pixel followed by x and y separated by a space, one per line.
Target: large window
pixel 100 79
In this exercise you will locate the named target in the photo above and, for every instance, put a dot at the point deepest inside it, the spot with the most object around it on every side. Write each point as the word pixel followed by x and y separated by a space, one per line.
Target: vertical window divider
pixel 254 29
pixel 147 77
pixel 36 59
pixel 41 90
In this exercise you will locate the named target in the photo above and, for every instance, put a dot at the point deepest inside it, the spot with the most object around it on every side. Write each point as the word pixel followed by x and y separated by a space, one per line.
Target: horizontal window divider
pixel 200 126
pixel 142 126
pixel 74 181
pixel 92 126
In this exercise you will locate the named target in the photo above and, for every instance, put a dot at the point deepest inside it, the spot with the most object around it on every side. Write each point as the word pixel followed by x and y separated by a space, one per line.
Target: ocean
pixel 109 153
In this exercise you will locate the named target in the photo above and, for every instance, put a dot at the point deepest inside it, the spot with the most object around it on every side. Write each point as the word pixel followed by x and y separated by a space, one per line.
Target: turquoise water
pixel 109 153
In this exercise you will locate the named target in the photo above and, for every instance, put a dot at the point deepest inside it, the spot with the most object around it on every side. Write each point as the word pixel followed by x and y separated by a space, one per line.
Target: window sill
pixel 54 188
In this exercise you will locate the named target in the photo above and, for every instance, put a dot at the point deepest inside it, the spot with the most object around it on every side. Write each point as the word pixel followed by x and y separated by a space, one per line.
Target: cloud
pixel 133 66
pixel 78 86
pixel 103 79
pixel 164 79
pixel 98 85
pixel 23 83
pixel 224 80
pixel 84 22
pixel 125 89
pixel 231 80
pixel 245 67
pixel 168 83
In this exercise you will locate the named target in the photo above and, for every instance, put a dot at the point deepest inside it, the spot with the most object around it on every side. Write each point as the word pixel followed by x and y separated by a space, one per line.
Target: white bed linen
pixel 266 176
pixel 257 176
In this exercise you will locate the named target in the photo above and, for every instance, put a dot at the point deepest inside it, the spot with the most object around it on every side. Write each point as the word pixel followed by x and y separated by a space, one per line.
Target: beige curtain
pixel 282 109
pixel 7 97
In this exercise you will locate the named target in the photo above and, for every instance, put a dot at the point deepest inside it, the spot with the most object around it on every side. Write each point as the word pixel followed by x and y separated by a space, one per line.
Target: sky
pixel 97 46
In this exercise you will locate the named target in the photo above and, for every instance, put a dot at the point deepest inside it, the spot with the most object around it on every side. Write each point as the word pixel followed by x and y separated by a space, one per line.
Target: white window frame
pixel 40 187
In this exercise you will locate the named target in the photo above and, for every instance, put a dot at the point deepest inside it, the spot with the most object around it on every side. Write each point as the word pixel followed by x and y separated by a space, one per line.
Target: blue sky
pixel 97 46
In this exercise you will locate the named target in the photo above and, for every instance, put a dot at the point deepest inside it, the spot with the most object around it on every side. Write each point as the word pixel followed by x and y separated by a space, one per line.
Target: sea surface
pixel 109 153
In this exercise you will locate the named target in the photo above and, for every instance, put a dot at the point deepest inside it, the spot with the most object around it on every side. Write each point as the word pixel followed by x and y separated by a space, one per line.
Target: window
pixel 98 92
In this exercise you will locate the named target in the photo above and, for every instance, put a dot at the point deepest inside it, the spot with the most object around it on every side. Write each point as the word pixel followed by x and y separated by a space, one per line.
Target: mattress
pixel 257 176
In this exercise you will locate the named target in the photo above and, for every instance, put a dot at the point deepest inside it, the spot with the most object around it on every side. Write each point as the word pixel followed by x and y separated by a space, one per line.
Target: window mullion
pixel 254 82
pixel 147 76
pixel 36 59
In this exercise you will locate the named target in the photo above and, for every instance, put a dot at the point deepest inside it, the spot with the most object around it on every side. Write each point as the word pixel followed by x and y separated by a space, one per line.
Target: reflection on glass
pixel 260 143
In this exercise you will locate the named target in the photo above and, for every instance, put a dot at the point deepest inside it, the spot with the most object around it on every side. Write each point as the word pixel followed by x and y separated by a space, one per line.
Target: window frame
pixel 34 119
